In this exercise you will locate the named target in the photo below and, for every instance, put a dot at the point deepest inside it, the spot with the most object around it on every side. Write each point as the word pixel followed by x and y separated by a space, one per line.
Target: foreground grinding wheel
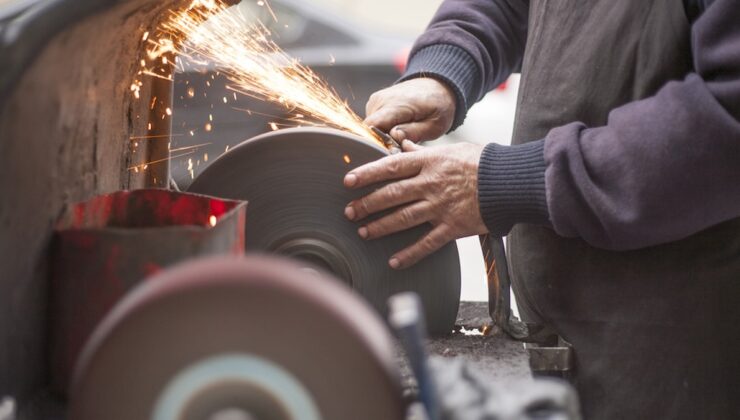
pixel 293 182
pixel 238 338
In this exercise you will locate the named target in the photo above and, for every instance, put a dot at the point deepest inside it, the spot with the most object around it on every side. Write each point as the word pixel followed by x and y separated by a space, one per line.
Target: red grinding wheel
pixel 293 182
pixel 256 336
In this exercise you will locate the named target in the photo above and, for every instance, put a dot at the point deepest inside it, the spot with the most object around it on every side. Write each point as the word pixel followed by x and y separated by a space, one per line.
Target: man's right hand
pixel 417 109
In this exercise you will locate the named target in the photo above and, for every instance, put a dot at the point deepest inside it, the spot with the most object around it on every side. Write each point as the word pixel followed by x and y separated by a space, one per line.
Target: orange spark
pixel 252 62
pixel 180 149
pixel 146 165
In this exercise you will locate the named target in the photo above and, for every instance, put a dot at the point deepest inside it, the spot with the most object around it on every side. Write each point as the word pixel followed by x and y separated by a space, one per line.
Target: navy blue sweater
pixel 661 169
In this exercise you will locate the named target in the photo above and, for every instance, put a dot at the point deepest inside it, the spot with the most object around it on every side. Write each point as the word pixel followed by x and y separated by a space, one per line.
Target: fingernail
pixel 394 263
pixel 349 212
pixel 362 232
pixel 400 134
pixel 350 180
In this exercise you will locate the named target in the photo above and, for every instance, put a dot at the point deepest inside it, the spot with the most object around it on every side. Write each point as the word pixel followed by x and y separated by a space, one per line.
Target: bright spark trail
pixel 243 50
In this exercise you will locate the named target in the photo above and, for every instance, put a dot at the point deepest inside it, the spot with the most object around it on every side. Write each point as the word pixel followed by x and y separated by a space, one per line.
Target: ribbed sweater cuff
pixel 451 65
pixel 511 186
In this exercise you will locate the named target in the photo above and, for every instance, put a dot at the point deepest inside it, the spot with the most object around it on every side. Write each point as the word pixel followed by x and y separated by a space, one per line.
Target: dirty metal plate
pixel 293 180
pixel 251 335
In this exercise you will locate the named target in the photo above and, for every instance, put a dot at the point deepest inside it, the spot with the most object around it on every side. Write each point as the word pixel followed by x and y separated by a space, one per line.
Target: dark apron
pixel 655 331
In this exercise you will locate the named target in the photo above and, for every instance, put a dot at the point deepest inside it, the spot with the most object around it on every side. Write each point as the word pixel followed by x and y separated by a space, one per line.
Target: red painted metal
pixel 105 246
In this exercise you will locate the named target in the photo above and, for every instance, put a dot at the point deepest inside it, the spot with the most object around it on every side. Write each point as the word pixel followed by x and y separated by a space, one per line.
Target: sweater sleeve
pixel 663 168
pixel 473 46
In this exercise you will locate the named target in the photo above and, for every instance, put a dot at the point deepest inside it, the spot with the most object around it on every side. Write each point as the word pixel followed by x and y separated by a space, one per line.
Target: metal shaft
pixel 407 318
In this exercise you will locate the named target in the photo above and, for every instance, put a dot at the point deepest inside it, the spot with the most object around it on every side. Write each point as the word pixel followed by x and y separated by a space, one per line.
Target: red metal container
pixel 105 246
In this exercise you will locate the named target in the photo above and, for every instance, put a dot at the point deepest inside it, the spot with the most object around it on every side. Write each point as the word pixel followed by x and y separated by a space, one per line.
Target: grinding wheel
pixel 293 180
pixel 238 338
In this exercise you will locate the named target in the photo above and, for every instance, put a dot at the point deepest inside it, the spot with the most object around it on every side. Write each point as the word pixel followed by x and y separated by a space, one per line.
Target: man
pixel 620 194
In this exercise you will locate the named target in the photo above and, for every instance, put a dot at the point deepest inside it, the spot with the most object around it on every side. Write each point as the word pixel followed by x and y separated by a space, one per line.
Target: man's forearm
pixel 473 46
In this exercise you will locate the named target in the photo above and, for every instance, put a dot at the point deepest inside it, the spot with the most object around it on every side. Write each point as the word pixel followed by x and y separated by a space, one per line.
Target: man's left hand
pixel 436 185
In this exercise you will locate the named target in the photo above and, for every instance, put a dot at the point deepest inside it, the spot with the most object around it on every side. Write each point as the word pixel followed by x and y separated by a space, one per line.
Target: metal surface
pixel 551 361
pixel 7 409
pixel 172 340
pixel 293 180
pixel 107 245
pixel 389 141
pixel 68 124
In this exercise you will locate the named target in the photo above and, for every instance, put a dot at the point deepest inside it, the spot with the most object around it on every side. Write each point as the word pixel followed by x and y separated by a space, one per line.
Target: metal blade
pixel 293 180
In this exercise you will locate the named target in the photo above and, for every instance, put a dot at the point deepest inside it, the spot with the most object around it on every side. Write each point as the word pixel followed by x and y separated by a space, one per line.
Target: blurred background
pixel 358 47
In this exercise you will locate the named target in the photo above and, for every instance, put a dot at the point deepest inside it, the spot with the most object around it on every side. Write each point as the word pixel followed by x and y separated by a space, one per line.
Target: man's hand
pixel 436 185
pixel 417 110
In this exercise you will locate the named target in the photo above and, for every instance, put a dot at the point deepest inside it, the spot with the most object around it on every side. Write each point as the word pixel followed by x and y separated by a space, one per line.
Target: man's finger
pixel 402 165
pixel 401 219
pixel 432 241
pixel 387 197
pixel 410 146
pixel 415 131
pixel 389 116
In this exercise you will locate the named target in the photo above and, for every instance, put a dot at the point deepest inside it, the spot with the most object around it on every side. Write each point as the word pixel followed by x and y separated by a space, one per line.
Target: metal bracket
pixel 7 409
pixel 499 292
pixel 551 360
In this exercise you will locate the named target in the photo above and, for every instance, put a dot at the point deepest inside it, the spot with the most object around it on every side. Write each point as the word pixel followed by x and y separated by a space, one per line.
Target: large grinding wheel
pixel 293 182
pixel 238 338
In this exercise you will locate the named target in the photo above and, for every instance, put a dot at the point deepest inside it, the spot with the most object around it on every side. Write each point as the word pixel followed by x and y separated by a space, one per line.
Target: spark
pixel 191 92
pixel 347 160
pixel 212 220
pixel 144 166
pixel 158 136
pixel 180 149
pixel 168 111
pixel 159 76
pixel 208 127
pixel 470 332
pixel 252 63
pixel 136 89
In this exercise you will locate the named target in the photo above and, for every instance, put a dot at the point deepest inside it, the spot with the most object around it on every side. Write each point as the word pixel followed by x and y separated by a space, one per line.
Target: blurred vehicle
pixel 354 60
